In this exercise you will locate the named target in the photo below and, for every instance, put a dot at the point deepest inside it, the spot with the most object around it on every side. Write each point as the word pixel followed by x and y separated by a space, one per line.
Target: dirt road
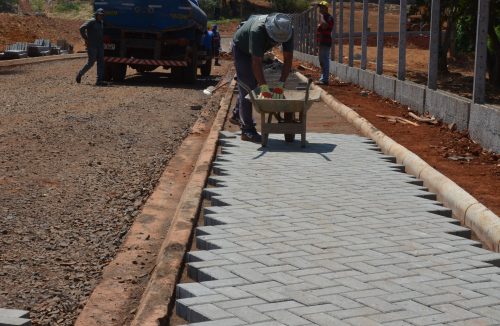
pixel 77 163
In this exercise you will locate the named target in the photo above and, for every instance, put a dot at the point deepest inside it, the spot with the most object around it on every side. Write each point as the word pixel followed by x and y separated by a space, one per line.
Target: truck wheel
pixel 119 71
pixel 108 67
pixel 191 70
pixel 206 69
pixel 177 73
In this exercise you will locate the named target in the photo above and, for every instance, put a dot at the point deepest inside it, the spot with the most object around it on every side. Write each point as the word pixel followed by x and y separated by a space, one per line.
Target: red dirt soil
pixel 16 28
pixel 450 152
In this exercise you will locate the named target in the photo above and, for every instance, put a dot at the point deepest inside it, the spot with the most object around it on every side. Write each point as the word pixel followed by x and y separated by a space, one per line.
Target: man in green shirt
pixel 256 36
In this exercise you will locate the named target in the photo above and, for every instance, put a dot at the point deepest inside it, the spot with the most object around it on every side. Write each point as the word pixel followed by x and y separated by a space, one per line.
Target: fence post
pixel 351 33
pixel 380 37
pixel 310 29
pixel 364 36
pixel 299 32
pixel 314 26
pixel 341 31
pixel 434 45
pixel 306 31
pixel 478 93
pixel 402 40
pixel 334 15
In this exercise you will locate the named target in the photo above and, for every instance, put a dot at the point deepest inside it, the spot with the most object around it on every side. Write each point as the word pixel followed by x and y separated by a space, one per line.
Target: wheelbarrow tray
pixel 294 101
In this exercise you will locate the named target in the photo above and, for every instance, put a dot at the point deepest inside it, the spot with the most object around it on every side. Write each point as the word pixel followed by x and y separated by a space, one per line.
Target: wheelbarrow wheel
pixel 289 138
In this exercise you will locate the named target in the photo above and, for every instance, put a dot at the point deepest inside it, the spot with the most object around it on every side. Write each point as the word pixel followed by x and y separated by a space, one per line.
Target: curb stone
pixel 484 223
pixel 156 301
pixel 29 61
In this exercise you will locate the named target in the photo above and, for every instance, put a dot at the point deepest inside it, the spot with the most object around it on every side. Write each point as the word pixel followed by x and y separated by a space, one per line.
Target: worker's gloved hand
pixel 265 92
pixel 278 91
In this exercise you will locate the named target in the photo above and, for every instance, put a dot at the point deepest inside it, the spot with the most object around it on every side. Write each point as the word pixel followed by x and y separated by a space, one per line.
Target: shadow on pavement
pixel 277 145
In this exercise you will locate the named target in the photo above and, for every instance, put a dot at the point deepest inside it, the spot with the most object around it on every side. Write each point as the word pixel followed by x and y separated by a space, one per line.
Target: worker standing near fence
pixel 92 33
pixel 255 37
pixel 216 44
pixel 324 37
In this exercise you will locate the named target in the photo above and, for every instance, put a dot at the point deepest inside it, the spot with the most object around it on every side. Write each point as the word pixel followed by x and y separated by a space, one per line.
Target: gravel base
pixel 77 163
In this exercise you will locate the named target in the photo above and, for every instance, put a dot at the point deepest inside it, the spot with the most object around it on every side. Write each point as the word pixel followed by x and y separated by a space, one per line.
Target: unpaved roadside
pixel 77 162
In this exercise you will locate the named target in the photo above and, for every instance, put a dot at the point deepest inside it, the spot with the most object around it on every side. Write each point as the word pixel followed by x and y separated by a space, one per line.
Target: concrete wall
pixel 385 86
pixel 448 108
pixel 411 94
pixel 484 126
pixel 366 79
pixel 353 75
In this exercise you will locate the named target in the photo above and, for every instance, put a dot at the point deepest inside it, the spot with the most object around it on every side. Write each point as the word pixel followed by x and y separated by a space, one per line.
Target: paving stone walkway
pixel 333 234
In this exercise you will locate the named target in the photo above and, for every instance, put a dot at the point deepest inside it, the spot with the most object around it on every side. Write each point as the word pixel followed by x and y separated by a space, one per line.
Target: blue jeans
pixel 95 54
pixel 324 62
pixel 244 73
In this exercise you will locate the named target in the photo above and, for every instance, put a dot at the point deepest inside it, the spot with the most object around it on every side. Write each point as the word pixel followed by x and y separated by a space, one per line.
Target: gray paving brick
pixel 277 306
pixel 221 322
pixel 341 238
pixel 325 320
pixel 206 312
pixel 287 318
pixel 248 314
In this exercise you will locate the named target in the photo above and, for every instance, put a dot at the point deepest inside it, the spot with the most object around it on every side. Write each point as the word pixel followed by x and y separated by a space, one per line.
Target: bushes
pixel 8 5
pixel 290 6
pixel 65 6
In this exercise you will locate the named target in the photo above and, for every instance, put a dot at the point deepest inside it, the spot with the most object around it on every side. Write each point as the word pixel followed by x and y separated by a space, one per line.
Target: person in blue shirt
pixel 207 42
pixel 216 44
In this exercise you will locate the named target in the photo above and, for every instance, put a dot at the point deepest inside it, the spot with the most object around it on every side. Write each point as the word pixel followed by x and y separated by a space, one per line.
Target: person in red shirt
pixel 324 37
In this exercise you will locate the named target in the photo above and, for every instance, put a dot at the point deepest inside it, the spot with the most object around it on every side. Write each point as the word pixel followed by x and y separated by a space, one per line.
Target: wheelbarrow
pixel 294 108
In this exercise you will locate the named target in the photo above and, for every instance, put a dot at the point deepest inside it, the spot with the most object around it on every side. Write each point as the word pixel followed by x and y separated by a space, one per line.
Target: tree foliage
pixel 458 28
pixel 8 5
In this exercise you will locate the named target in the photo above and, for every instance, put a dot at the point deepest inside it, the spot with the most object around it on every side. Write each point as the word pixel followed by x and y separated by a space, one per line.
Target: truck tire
pixel 119 71
pixel 177 73
pixel 206 69
pixel 190 72
pixel 108 67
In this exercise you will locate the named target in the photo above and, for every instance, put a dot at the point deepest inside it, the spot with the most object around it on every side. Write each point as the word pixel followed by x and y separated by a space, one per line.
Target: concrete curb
pixel 29 61
pixel 156 301
pixel 473 214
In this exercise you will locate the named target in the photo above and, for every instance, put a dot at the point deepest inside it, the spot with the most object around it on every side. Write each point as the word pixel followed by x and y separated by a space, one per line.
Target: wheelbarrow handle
pixel 249 91
pixel 309 82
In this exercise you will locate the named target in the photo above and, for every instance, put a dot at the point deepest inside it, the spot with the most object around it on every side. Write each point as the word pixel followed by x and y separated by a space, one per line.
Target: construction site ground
pixel 81 161
pixel 78 162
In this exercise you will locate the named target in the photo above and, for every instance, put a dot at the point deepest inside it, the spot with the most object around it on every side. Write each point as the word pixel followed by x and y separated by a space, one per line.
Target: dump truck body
pixel 146 34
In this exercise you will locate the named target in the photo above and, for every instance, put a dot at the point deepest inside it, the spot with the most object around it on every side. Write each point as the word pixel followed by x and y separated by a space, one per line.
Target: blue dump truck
pixel 147 34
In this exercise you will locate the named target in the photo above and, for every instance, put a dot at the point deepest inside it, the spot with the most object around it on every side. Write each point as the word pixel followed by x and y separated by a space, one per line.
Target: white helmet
pixel 279 27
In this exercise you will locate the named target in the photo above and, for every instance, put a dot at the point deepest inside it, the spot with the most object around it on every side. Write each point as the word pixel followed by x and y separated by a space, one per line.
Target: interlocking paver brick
pixel 333 234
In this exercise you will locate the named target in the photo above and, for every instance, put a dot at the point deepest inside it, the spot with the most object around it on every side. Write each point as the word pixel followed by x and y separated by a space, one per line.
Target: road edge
pixel 156 299
pixel 470 212
pixel 29 61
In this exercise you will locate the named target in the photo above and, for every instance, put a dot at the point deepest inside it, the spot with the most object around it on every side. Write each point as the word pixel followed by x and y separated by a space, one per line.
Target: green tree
pixel 8 5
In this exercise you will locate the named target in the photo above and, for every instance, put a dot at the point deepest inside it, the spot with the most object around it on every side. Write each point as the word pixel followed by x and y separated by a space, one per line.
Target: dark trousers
pixel 95 54
pixel 244 73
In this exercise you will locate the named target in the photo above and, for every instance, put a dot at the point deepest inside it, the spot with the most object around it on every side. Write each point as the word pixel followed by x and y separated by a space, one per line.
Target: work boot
pixel 101 83
pixel 78 78
pixel 251 135
pixel 235 119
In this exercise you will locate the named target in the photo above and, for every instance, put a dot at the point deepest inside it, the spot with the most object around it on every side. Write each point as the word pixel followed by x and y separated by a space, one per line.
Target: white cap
pixel 279 27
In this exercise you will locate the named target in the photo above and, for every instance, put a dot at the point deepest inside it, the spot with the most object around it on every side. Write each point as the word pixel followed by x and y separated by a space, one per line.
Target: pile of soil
pixel 17 28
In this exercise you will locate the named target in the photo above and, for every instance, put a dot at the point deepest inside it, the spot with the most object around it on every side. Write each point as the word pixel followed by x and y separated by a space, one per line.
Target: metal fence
pixel 305 41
